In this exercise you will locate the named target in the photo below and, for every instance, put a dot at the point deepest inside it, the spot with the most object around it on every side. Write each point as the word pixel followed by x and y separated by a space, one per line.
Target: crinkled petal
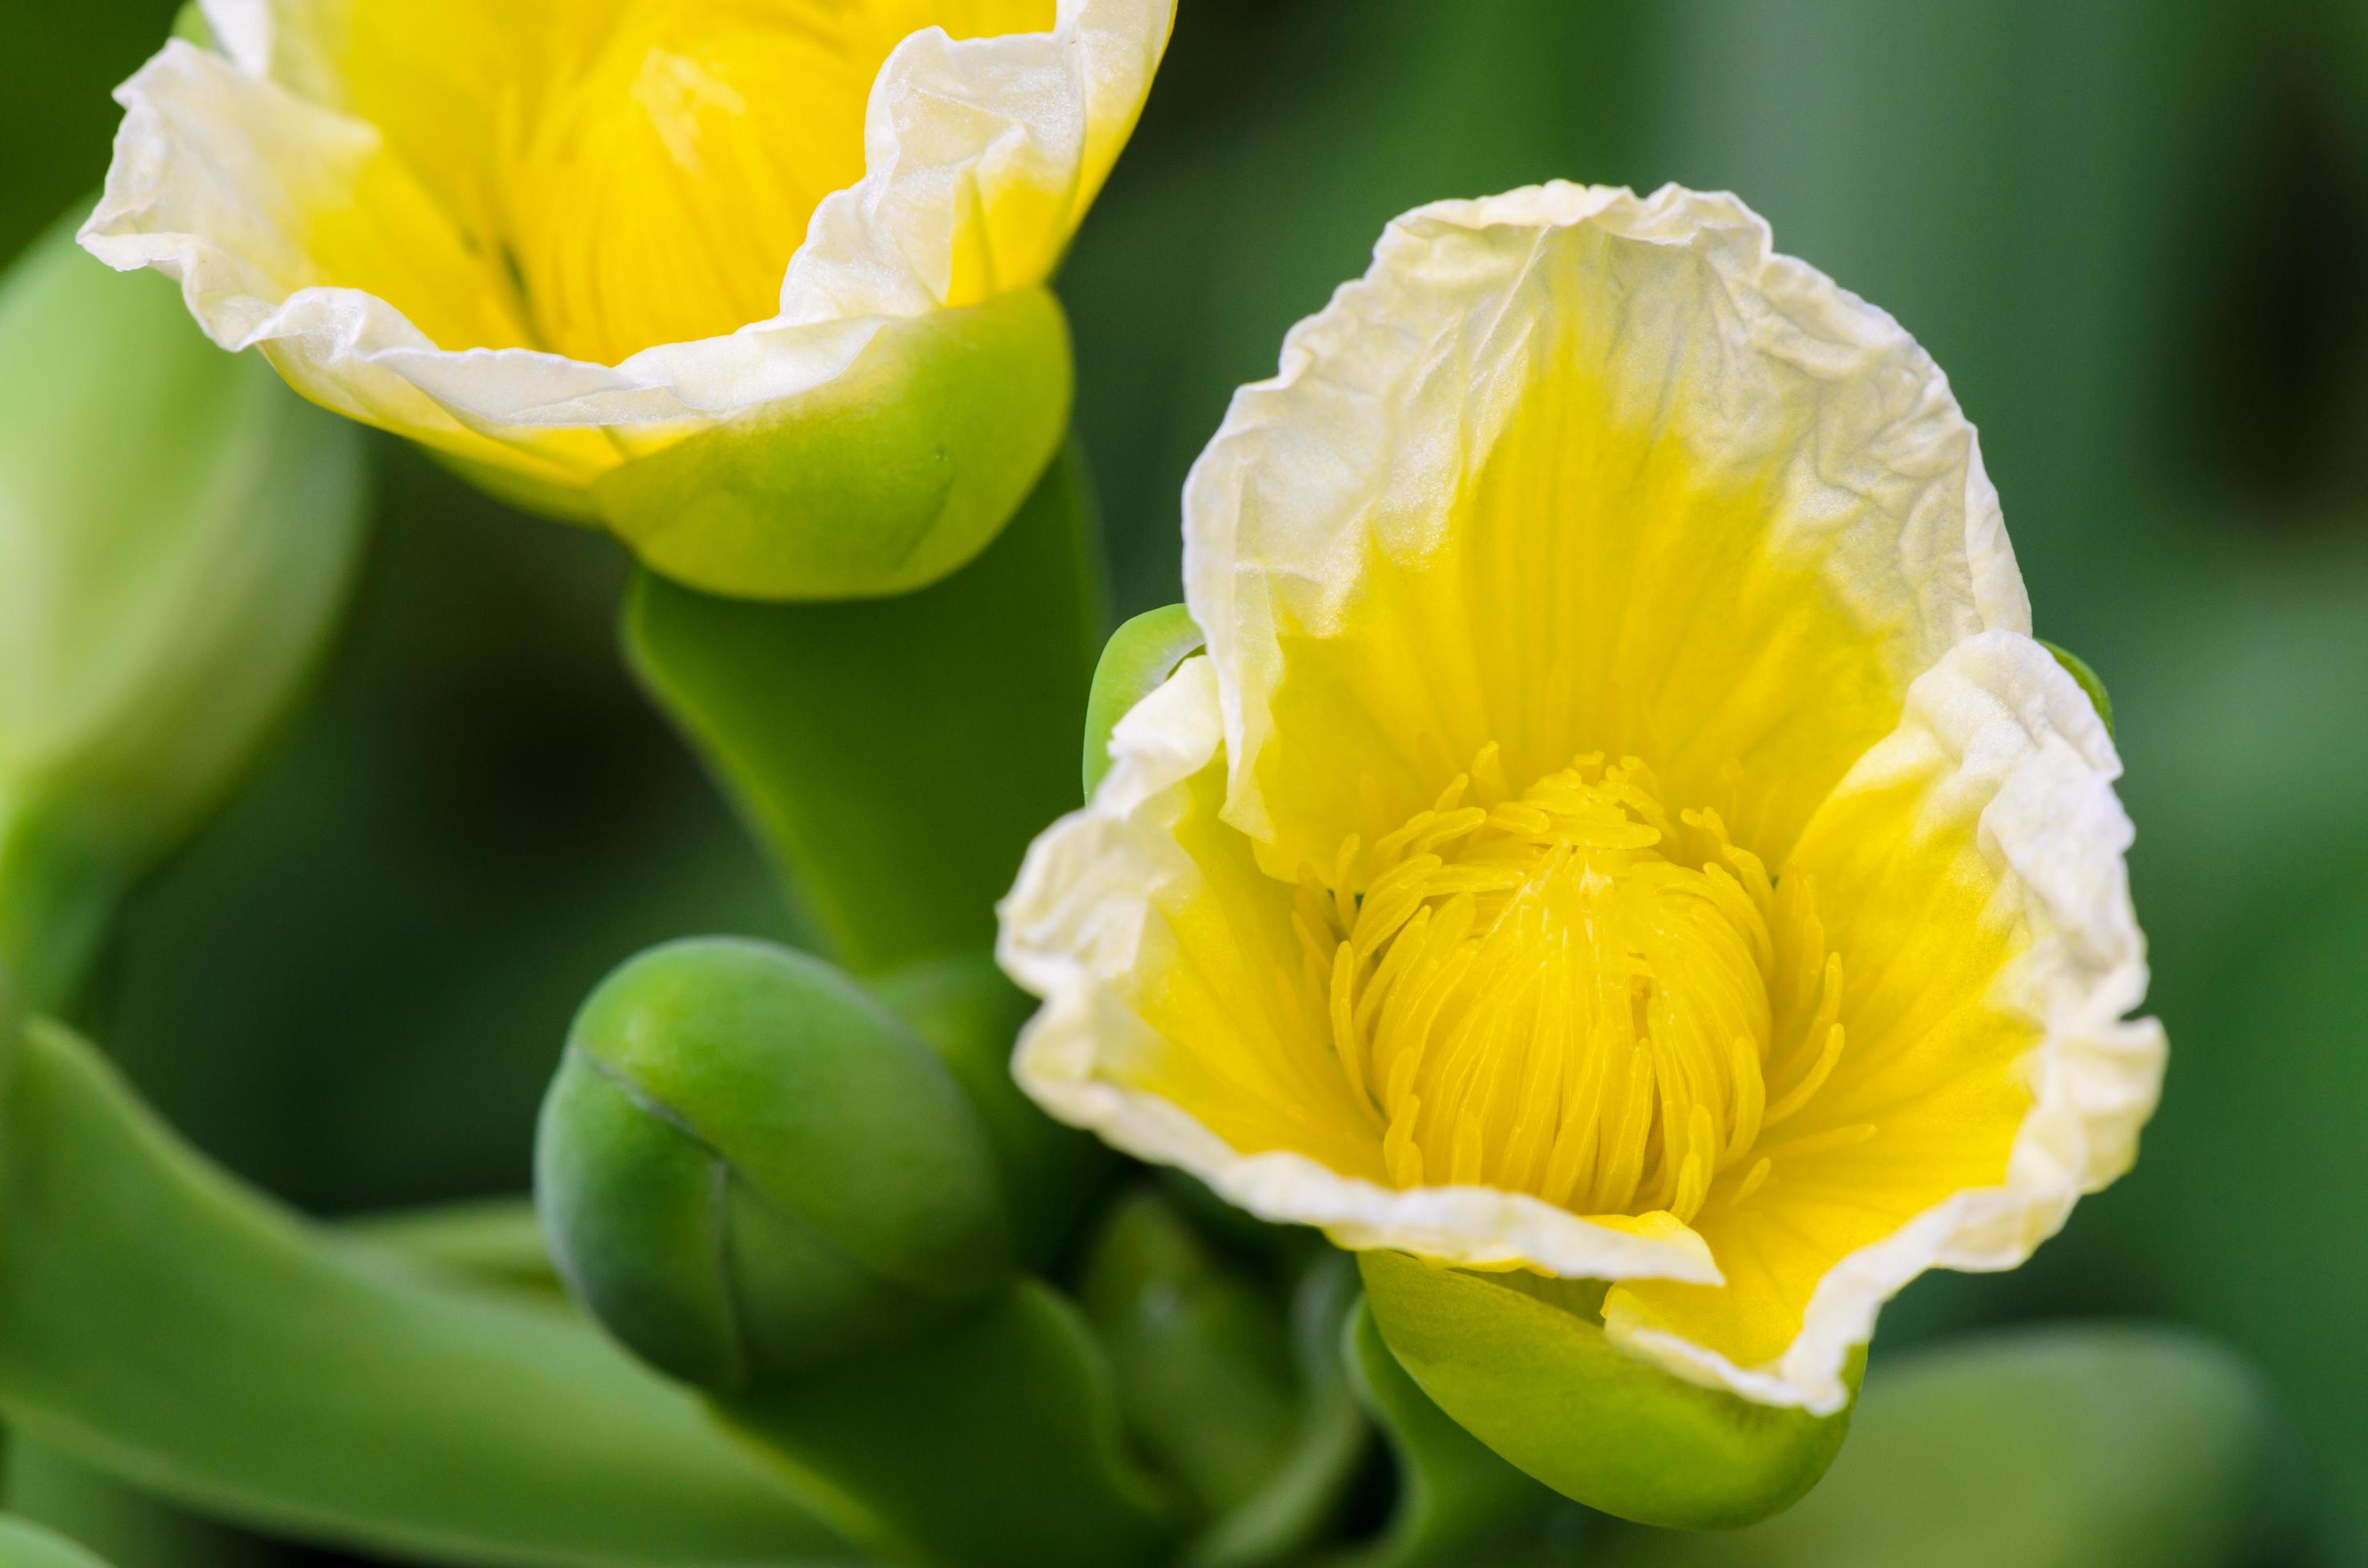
pixel 1568 470
pixel 1970 868
pixel 1180 1026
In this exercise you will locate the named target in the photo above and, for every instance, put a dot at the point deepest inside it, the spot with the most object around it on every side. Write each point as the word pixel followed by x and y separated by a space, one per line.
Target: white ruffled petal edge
pixel 2022 751
pixel 1071 930
pixel 1382 396
pixel 950 125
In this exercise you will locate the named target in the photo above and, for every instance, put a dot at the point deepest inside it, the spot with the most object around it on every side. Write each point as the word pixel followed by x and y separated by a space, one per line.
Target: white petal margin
pixel 1073 931
pixel 1388 397
pixel 216 164
pixel 2018 748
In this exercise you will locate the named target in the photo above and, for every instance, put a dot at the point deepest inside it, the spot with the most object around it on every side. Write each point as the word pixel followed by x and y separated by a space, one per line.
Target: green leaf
pixel 1457 1502
pixel 970 1015
pixel 24 1545
pixel 178 532
pixel 162 1323
pixel 494 1241
pixel 2077 668
pixel 1200 1351
pixel 2049 1448
pixel 1138 658
pixel 748 1168
pixel 1542 1385
pixel 995 1443
pixel 882 480
pixel 895 755
pixel 1279 1521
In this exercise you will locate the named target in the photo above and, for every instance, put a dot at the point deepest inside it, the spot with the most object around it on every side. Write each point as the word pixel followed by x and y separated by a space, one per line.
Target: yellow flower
pixel 1621 827
pixel 552 238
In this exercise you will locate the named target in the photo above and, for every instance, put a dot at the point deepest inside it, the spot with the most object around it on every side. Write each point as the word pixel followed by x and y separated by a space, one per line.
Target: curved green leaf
pixel 1543 1387
pixel 24 1545
pixel 162 1323
pixel 496 1240
pixel 2049 1447
pixel 997 1442
pixel 1139 656
pixel 897 755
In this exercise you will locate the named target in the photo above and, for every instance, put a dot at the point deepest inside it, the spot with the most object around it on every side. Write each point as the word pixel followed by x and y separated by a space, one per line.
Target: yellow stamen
pixel 1573 992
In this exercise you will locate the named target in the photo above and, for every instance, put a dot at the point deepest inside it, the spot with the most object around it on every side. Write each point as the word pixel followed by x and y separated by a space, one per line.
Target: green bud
pixel 177 535
pixel 1539 1383
pixel 1137 659
pixel 879 482
pixel 748 1168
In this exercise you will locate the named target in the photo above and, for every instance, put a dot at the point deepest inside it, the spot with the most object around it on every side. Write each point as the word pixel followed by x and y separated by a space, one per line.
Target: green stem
pixel 161 1322
pixel 897 755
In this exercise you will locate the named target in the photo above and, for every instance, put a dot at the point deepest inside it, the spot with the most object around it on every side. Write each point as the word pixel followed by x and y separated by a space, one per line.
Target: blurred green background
pixel 2134 231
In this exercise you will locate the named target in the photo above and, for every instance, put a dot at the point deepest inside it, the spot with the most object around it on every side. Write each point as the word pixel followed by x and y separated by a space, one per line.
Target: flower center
pixel 1574 993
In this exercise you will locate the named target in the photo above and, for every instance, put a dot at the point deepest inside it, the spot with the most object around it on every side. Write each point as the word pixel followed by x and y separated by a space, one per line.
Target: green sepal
pixel 964 1009
pixel 996 1442
pixel 748 1168
pixel 2077 668
pixel 1544 1386
pixel 178 533
pixel 162 1323
pixel 2044 1448
pixel 881 480
pixel 1139 656
pixel 897 755
pixel 24 1545
pixel 1456 1502
pixel 190 26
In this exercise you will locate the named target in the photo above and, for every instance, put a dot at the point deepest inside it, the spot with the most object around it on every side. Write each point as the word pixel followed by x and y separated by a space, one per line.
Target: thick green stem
pixel 168 1325
pixel 897 754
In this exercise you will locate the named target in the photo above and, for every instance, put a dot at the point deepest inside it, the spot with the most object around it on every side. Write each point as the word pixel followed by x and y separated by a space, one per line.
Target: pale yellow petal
pixel 1971 873
pixel 1568 470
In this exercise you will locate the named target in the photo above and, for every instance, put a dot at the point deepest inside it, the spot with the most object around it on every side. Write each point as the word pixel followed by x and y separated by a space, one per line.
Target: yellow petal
pixel 1970 871
pixel 548 237
pixel 1571 470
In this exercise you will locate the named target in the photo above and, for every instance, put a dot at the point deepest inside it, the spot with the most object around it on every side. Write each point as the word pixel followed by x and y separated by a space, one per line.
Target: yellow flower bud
pixel 759 286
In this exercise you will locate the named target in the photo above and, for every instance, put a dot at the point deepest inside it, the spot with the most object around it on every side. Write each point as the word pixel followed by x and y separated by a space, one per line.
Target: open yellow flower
pixel 1621 827
pixel 555 239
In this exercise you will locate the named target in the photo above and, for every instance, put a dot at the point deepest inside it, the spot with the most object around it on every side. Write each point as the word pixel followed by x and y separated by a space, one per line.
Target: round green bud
pixel 177 535
pixel 879 482
pixel 748 1168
